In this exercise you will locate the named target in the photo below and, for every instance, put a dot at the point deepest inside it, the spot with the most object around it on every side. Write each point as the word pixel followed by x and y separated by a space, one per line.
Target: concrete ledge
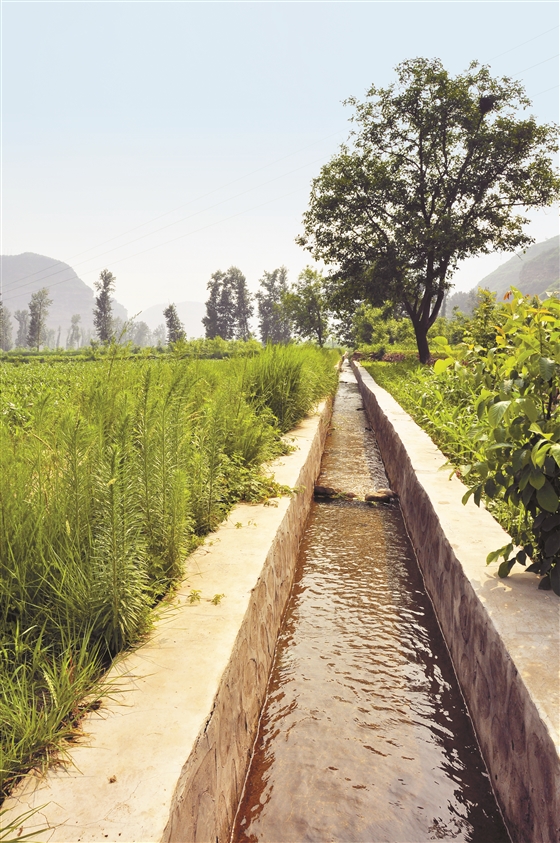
pixel 165 758
pixel 503 635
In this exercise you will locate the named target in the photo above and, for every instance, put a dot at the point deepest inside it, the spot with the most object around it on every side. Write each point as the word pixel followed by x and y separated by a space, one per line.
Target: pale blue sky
pixel 115 113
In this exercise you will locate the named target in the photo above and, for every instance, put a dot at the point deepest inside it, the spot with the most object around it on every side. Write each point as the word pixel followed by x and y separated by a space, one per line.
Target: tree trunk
pixel 421 332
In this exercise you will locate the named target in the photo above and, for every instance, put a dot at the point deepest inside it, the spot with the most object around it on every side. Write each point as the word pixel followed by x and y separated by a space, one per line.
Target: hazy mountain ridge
pixel 23 275
pixel 533 273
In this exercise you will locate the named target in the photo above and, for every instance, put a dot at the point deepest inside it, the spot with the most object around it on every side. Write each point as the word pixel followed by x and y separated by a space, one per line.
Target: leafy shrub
pixel 516 384
pixel 494 411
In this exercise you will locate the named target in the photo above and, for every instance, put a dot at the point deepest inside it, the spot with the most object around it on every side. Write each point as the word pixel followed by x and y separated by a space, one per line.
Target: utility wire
pixel 180 237
pixel 215 190
pixel 524 42
pixel 19 285
pixel 536 65
pixel 179 207
pixel 546 90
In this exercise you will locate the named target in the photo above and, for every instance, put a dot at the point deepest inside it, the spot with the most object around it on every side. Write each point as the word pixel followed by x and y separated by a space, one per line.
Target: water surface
pixel 364 734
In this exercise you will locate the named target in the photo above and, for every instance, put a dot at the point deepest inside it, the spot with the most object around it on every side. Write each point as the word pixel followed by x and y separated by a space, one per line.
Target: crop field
pixel 111 470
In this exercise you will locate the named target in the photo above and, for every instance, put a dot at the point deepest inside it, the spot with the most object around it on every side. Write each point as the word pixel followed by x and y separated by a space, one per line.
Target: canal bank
pixel 160 762
pixel 364 735
pixel 503 635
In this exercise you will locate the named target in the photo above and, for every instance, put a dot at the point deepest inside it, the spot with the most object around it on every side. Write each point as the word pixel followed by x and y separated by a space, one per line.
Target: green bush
pixel 494 411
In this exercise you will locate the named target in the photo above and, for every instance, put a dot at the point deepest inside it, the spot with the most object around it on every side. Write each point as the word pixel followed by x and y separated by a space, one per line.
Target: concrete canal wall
pixel 165 757
pixel 503 635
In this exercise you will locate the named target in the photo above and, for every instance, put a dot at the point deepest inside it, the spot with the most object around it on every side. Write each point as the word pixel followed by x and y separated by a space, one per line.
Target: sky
pixel 167 140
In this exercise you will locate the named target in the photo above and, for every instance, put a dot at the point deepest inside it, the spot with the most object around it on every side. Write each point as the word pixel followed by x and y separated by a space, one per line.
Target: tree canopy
pixel 22 318
pixel 175 328
pixel 274 323
pixel 306 306
pixel 229 307
pixel 38 312
pixel 440 168
pixel 5 327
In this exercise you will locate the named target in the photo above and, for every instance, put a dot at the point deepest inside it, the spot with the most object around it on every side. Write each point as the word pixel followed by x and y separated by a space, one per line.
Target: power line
pixel 536 65
pixel 177 222
pixel 546 90
pixel 524 42
pixel 215 190
pixel 178 208
pixel 181 236
pixel 19 285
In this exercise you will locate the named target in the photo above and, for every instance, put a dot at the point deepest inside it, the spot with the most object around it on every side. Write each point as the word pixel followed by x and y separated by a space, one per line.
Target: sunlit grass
pixel 110 472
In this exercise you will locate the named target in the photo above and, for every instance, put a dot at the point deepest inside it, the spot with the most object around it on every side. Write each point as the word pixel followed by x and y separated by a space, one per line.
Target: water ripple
pixel 364 735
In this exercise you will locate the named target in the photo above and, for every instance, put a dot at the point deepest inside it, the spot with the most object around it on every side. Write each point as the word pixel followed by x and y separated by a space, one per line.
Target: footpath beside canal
pixel 165 756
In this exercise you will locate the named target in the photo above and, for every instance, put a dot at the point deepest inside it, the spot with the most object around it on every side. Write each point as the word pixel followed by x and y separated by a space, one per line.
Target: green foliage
pixel 22 318
pixel 200 349
pixel 228 308
pixel 110 470
pixel 381 327
pixel 285 382
pixel 431 177
pixel 480 329
pixel 38 312
pixel 494 411
pixel 274 322
pixel 175 328
pixel 5 328
pixel 74 334
pixel 102 314
pixel 307 307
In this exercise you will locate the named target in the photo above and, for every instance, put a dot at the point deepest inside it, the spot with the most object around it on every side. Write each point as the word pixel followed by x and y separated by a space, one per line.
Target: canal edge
pixel 503 638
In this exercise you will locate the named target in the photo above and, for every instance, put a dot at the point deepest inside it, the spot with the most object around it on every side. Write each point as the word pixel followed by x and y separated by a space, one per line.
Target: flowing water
pixel 364 734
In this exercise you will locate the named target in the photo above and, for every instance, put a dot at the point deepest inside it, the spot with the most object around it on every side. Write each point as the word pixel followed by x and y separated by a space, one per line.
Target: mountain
pixel 190 314
pixel 24 274
pixel 533 272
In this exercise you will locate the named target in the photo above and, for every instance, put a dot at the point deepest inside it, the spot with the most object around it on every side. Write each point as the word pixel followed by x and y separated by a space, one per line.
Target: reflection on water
pixel 364 735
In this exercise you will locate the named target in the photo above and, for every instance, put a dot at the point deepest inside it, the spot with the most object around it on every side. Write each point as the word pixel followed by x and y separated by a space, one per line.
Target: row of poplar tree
pixel 283 311
pixel 230 306
pixel 32 323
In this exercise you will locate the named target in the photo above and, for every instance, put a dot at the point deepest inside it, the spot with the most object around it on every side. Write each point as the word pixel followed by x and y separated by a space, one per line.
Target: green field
pixel 111 471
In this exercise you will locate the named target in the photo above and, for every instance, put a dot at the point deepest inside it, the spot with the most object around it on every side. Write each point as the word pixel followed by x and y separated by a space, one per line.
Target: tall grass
pixel 110 471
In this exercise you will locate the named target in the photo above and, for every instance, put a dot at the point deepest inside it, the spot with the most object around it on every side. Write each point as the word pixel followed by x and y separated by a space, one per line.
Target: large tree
pixel 307 308
pixel 440 168
pixel 228 308
pixel 102 314
pixel 274 323
pixel 38 312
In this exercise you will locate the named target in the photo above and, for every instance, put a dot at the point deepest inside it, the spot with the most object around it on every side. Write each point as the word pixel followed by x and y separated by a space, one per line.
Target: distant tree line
pixel 283 312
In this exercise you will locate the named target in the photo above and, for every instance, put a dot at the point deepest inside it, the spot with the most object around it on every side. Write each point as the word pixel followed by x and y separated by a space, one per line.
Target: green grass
pixel 447 416
pixel 444 408
pixel 111 471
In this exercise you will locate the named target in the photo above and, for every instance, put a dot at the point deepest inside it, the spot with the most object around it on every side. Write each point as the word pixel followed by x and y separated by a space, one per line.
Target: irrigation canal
pixel 364 735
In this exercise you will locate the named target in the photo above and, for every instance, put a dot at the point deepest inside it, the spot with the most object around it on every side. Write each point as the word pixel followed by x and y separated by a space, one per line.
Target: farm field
pixel 111 470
